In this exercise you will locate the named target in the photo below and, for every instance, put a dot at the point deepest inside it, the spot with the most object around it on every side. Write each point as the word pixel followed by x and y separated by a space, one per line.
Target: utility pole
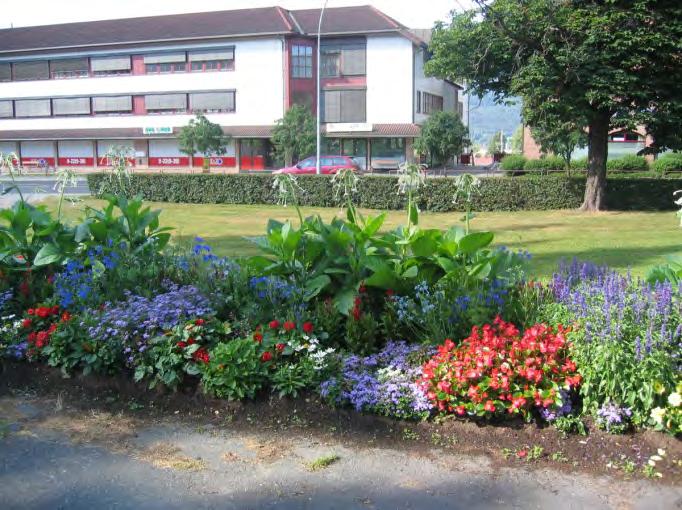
pixel 319 115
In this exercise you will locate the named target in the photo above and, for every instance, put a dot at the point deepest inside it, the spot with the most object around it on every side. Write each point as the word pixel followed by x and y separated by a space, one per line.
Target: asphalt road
pixel 53 458
pixel 43 185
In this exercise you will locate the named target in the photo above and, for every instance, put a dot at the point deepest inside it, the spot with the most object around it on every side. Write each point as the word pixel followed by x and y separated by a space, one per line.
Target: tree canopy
pixel 599 64
pixel 443 136
pixel 204 137
pixel 294 136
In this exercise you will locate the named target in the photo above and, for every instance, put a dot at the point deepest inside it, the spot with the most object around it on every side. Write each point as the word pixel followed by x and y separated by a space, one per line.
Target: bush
pixel 512 164
pixel 546 164
pixel 630 163
pixel 671 162
pixel 579 165
pixel 235 370
pixel 379 192
pixel 499 372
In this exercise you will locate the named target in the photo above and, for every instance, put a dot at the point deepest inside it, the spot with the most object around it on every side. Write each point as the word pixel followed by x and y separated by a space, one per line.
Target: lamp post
pixel 319 30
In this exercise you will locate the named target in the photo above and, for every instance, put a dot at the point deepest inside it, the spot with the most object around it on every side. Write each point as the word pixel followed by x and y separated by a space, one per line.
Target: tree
pixel 496 143
pixel 294 136
pixel 601 64
pixel 204 137
pixel 443 136
pixel 560 138
pixel 517 139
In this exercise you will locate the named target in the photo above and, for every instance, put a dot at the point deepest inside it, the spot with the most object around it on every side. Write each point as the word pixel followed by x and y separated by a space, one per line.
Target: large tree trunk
pixel 595 188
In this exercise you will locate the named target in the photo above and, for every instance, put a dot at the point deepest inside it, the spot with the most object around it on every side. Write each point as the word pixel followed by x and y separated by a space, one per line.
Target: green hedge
pixel 380 192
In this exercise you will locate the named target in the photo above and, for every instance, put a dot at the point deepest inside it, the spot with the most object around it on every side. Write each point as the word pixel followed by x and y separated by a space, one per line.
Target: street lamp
pixel 319 30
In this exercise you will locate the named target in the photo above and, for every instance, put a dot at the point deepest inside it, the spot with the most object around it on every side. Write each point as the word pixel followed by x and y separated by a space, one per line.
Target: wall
pixel 257 78
pixel 389 80
pixel 435 86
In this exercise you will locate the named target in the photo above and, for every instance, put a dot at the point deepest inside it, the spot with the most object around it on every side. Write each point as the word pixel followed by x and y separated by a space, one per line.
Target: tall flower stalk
pixel 466 187
pixel 65 177
pixel 287 189
pixel 345 184
pixel 9 162
pixel 411 178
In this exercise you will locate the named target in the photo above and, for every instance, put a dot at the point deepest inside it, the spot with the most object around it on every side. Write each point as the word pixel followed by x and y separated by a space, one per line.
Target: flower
pixel 289 326
pixel 66 316
pixel 274 324
pixel 26 323
pixel 675 399
pixel 182 344
pixel 657 414
pixel 308 327
pixel 201 355
pixel 266 356
pixel 489 406
pixel 521 454
pixel 199 322
pixel 30 311
pixel 258 337
pixel 280 347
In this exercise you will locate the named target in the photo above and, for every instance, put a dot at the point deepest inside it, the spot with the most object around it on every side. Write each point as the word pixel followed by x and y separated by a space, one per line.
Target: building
pixel 70 92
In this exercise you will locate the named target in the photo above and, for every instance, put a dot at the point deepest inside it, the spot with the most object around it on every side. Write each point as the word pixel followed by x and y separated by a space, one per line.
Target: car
pixel 328 165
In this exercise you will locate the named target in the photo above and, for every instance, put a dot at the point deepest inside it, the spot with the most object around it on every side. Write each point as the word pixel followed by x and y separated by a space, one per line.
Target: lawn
pixel 619 239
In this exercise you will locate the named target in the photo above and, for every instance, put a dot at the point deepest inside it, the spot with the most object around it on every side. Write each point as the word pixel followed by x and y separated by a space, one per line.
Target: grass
pixel 634 240
pixel 322 462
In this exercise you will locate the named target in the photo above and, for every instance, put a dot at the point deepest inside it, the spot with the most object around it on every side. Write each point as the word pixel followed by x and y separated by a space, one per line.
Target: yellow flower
pixel 657 414
pixel 659 388
pixel 675 399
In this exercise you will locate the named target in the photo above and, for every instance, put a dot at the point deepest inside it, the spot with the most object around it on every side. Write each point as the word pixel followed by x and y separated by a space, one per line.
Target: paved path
pixel 51 458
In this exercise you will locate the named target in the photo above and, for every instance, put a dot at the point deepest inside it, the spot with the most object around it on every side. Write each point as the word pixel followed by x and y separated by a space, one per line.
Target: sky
pixel 412 13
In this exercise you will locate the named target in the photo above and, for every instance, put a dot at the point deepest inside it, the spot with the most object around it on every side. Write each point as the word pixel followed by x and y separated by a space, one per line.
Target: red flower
pixel 66 316
pixel 289 326
pixel 26 323
pixel 199 322
pixel 182 345
pixel 258 337
pixel 54 310
pixel 389 292
pixel 52 328
pixel 191 341
pixel 521 454
pixel 280 347
pixel 201 355
pixel 43 312
pixel 274 324
pixel 41 339
pixel 266 356
pixel 308 327
pixel 362 289
pixel 489 406
pixel 32 337
pixel 30 311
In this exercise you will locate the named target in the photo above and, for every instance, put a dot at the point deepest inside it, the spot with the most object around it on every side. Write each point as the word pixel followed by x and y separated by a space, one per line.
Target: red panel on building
pixel 222 161
pixel 76 161
pixel 253 163
pixel 37 161
pixel 169 161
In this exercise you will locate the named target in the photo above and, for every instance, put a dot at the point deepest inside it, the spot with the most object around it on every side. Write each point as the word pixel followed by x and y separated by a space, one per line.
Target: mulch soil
pixel 598 453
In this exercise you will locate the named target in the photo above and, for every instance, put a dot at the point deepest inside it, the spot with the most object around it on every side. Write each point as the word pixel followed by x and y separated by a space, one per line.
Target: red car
pixel 328 165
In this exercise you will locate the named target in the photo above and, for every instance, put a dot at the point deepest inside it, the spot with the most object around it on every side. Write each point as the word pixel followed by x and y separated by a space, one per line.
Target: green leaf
pixel 473 242
pixel 48 254
pixel 344 300
pixel 315 285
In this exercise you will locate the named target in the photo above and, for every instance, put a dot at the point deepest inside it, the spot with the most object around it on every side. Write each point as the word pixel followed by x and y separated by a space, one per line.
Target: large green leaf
pixel 343 301
pixel 315 285
pixel 471 243
pixel 48 254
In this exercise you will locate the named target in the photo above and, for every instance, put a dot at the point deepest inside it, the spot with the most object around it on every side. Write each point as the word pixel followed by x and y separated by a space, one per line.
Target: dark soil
pixel 599 453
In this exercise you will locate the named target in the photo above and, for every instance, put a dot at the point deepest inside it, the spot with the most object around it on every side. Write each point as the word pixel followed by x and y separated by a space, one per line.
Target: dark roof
pixel 193 26
pixel 341 20
pixel 380 130
pixel 120 133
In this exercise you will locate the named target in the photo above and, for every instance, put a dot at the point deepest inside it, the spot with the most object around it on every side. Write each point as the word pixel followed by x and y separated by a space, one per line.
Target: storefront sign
pixel 169 161
pixel 157 130
pixel 76 161
pixel 223 161
pixel 349 127
pixel 37 161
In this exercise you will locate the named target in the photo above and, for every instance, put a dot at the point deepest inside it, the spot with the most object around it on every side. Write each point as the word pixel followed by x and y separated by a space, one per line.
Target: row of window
pixel 347 58
pixel 205 102
pixel 429 103
pixel 205 60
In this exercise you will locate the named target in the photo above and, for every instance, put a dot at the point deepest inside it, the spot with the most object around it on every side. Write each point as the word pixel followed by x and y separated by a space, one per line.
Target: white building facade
pixel 68 93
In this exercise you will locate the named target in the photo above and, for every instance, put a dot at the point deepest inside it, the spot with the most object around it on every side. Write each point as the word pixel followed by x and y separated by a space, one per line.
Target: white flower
pixel 657 415
pixel 675 399
pixel 652 462
pixel 661 452
pixel 655 458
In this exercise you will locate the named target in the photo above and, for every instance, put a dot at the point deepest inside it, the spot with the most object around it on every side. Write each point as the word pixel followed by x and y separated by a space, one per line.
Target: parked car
pixel 328 165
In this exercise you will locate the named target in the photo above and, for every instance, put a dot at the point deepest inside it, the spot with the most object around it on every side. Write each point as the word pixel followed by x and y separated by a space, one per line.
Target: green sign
pixel 157 130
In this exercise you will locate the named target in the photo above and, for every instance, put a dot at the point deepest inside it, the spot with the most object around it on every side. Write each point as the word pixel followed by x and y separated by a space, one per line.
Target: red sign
pixel 39 161
pixel 225 161
pixel 107 162
pixel 76 161
pixel 169 161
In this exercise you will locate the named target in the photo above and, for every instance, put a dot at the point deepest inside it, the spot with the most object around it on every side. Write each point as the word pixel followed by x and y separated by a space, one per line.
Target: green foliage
pixel 290 379
pixel 671 271
pixel 545 164
pixel 496 143
pixel 512 164
pixel 204 137
pixel 517 139
pixel 570 425
pixel 579 164
pixel 629 163
pixel 671 162
pixel 294 135
pixel 235 370
pixel 444 136
pixel 378 192
pixel 559 137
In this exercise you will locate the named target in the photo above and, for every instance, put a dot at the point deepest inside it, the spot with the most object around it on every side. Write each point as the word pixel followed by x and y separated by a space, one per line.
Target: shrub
pixel 545 164
pixel 627 336
pixel 629 163
pixel 512 164
pixel 579 164
pixel 671 162
pixel 379 192
pixel 235 370
pixel 496 371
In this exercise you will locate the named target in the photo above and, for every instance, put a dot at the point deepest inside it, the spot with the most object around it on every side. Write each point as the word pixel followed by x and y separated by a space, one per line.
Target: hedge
pixel 380 192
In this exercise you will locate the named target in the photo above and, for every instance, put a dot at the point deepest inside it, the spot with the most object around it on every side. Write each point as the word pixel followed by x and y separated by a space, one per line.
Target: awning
pixel 374 131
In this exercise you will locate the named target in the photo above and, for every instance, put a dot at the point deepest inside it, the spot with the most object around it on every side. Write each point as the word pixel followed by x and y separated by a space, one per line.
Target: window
pixel 112 104
pixel 71 106
pixel 431 103
pixel 212 102
pixel 5 72
pixel 69 68
pixel 344 105
pixel 419 101
pixel 308 163
pixel 346 58
pixel 165 103
pixel 301 61
pixel 35 70
pixel 6 109
pixel 32 108
pixel 110 66
pixel 219 60
pixel 165 63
